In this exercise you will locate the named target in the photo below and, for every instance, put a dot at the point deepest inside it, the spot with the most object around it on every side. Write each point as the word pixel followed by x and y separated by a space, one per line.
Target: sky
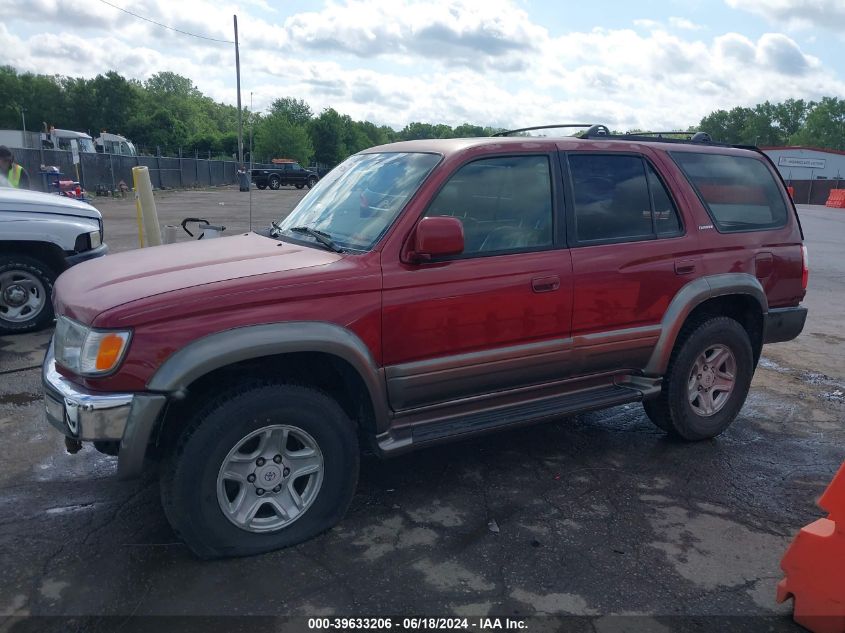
pixel 644 64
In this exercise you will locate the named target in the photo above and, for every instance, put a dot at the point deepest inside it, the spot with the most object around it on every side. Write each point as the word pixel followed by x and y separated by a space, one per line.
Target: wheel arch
pixel 51 254
pixel 278 349
pixel 738 295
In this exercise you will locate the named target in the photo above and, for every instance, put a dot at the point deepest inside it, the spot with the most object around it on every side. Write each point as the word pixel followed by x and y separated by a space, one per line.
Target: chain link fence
pixel 109 170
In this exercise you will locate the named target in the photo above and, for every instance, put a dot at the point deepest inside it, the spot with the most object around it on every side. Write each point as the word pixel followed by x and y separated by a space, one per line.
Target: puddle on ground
pixel 835 394
pixel 19 399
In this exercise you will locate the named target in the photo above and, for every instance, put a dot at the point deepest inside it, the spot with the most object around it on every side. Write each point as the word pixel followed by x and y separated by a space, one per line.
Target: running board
pixel 423 433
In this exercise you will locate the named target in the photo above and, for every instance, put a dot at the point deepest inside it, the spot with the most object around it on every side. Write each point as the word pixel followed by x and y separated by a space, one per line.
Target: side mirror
pixel 438 237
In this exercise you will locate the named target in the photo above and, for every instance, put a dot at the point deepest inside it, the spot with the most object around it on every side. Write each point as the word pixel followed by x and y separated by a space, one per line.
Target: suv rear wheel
pixel 26 285
pixel 707 381
pixel 275 182
pixel 262 468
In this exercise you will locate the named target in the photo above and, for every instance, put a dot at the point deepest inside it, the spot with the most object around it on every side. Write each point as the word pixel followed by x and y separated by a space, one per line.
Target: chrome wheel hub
pixel 270 478
pixel 712 380
pixel 22 296
pixel 14 296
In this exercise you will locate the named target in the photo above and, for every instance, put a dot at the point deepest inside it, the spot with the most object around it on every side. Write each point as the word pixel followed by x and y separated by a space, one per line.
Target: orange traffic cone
pixel 815 566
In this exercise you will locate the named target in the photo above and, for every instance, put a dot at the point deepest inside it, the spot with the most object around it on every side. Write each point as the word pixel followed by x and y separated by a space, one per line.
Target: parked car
pixel 41 235
pixel 284 173
pixel 427 291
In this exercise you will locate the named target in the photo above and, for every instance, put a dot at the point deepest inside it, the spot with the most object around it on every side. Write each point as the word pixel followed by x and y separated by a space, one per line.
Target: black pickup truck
pixel 291 173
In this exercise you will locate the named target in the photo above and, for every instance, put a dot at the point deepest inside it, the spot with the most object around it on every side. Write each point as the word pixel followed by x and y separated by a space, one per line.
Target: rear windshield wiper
pixel 322 237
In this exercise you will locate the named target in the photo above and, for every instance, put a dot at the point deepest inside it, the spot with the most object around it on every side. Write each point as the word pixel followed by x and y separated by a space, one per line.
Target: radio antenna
pixel 251 124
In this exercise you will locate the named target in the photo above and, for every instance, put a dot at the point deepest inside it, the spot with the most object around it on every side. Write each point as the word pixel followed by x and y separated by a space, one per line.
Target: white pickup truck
pixel 41 235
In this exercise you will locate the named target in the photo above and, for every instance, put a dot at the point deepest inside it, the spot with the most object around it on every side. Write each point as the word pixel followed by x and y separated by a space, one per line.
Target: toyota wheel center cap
pixel 268 476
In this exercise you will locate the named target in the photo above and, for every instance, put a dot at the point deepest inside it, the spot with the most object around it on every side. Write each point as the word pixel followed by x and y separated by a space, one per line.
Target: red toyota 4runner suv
pixel 422 292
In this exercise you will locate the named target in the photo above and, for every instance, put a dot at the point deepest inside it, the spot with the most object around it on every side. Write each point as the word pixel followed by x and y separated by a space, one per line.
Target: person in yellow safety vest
pixel 15 174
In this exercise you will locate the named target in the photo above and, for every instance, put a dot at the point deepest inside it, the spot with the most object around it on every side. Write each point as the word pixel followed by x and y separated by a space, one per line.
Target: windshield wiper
pixel 322 237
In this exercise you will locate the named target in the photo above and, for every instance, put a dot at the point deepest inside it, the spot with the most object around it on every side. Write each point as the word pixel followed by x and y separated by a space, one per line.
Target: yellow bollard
pixel 149 215
pixel 140 222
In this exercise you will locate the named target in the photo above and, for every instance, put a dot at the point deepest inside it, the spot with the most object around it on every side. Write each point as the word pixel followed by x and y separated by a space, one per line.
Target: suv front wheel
pixel 25 288
pixel 262 468
pixel 707 381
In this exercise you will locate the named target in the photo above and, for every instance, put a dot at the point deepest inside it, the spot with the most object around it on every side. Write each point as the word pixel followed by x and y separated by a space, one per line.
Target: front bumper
pixel 87 416
pixel 84 256
pixel 784 324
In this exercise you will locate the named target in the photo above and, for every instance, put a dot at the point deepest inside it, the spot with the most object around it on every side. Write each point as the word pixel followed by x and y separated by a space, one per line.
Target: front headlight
pixel 87 241
pixel 86 351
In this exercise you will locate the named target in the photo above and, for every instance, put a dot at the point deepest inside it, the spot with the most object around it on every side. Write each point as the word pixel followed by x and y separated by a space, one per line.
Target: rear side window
pixel 619 198
pixel 666 220
pixel 739 192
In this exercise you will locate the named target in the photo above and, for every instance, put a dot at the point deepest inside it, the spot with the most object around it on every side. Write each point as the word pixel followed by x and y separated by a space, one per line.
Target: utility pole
pixel 240 113
pixel 251 125
pixel 23 125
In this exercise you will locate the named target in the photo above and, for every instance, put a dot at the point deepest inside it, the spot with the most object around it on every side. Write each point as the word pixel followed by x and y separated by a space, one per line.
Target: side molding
pixel 691 296
pixel 239 344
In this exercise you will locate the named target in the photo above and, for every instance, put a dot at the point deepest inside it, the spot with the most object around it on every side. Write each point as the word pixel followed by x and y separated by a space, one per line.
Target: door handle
pixel 684 267
pixel 545 284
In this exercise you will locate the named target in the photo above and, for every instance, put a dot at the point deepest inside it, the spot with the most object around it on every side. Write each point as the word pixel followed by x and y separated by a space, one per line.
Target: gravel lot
pixel 594 515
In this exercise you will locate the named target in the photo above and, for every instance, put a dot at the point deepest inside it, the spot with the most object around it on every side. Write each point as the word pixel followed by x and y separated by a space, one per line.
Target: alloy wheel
pixel 270 478
pixel 711 380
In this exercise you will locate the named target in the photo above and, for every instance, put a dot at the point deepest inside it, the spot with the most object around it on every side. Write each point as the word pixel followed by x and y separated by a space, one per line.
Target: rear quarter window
pixel 739 192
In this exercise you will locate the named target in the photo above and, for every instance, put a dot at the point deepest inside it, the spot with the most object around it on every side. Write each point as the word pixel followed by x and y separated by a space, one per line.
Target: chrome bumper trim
pixel 80 414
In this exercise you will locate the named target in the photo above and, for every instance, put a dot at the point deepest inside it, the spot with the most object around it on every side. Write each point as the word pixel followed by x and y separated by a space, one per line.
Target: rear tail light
pixel 805 268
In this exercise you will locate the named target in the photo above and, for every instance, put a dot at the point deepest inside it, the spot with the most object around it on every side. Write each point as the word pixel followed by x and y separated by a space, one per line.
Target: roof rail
pixel 661 137
pixel 548 127
pixel 598 131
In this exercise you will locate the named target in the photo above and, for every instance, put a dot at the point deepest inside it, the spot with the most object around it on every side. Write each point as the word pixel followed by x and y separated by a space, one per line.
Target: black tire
pixel 275 182
pixel 672 411
pixel 311 182
pixel 22 267
pixel 300 185
pixel 262 186
pixel 190 469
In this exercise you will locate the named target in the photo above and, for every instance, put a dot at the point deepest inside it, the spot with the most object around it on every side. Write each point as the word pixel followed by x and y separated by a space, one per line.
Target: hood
pixel 37 202
pixel 87 289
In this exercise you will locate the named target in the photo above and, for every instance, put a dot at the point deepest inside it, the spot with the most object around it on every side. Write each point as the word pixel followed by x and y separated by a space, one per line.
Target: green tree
pixel 727 126
pixel 295 110
pixel 467 130
pixel 824 126
pixel 277 137
pixel 791 115
pixel 327 132
pixel 416 130
pixel 354 137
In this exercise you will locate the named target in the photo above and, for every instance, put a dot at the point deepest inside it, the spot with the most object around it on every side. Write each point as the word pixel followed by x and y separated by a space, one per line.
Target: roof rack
pixel 594 130
pixel 547 127
pixel 666 137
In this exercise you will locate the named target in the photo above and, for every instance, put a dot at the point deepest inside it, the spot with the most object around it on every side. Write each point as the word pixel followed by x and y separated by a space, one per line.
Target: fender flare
pixel 220 349
pixel 690 297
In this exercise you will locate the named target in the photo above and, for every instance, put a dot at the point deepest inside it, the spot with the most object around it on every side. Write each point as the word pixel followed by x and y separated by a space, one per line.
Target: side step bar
pixel 515 415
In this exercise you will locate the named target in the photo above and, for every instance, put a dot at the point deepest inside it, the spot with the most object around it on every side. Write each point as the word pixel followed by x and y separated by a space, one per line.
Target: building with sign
pixel 807 163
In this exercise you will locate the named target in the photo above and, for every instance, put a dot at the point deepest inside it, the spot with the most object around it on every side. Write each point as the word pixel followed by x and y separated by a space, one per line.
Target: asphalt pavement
pixel 593 515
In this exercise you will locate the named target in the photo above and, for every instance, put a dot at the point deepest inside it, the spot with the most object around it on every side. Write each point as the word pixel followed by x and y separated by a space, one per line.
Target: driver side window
pixel 505 204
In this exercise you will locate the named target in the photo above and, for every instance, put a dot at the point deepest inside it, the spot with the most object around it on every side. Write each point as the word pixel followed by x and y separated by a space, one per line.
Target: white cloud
pixel 683 23
pixel 471 33
pixel 825 14
pixel 395 61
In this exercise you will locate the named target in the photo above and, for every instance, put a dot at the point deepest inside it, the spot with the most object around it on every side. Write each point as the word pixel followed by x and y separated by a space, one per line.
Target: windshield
pixel 359 199
pixel 85 145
